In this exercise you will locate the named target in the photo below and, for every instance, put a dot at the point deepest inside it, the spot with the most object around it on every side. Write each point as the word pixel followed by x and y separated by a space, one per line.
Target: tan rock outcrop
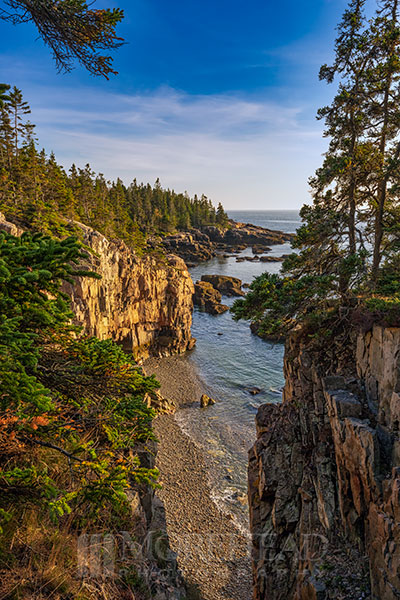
pixel 208 298
pixel 9 227
pixel 228 286
pixel 143 303
pixel 324 474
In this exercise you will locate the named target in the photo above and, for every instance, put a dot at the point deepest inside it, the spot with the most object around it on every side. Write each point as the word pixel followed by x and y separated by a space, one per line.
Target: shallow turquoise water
pixel 229 365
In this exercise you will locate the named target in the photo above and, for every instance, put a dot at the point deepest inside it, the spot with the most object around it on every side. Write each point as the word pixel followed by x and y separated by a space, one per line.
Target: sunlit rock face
pixel 144 303
pixel 324 474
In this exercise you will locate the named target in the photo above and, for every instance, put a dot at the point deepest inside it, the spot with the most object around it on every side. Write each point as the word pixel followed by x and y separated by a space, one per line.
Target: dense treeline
pixel 347 249
pixel 37 192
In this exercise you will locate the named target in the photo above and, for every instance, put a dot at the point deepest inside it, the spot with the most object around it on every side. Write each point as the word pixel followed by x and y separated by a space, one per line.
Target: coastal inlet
pixel 231 362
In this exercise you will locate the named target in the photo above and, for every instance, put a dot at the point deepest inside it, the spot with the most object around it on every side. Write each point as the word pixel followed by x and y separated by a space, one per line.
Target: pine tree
pixel 222 217
pixel 356 192
pixel 18 109
pixel 384 115
pixel 3 93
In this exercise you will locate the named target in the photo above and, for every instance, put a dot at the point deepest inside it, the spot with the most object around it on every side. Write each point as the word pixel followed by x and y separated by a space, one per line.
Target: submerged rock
pixel 255 390
pixel 206 401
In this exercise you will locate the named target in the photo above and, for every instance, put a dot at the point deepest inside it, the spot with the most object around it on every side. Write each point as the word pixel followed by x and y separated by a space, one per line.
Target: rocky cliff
pixel 324 474
pixel 143 303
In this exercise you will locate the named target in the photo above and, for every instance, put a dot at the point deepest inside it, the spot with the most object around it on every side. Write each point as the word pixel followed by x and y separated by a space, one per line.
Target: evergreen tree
pixel 383 113
pixel 3 93
pixel 36 191
pixel 18 109
pixel 348 244
pixel 72 30
pixel 221 217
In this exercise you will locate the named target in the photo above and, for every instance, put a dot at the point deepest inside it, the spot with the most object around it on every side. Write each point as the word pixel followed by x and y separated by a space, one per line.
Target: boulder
pixel 228 286
pixel 206 401
pixel 208 298
pixel 160 404
pixel 255 390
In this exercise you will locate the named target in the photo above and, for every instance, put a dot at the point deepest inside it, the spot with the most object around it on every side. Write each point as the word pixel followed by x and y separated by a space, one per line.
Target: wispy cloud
pixel 237 150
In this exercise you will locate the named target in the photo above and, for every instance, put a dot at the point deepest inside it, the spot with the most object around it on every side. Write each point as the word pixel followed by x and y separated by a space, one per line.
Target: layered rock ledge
pixel 324 474
pixel 197 246
pixel 143 303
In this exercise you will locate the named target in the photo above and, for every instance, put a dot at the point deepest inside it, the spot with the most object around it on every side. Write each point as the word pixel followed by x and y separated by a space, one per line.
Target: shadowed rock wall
pixel 324 475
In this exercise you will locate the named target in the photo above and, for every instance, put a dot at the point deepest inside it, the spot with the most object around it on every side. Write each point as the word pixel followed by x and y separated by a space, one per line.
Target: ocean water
pixel 230 360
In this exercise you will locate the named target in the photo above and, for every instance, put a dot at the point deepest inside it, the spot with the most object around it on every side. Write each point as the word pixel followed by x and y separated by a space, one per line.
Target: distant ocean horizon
pixel 282 220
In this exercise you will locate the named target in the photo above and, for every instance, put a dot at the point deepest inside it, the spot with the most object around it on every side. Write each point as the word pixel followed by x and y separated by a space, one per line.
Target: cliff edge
pixel 324 474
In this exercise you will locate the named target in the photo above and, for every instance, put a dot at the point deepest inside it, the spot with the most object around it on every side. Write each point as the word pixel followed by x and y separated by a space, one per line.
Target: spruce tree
pixel 18 109
pixel 383 114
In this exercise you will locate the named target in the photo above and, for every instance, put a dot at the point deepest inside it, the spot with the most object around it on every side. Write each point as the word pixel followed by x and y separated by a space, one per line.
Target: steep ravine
pixel 324 474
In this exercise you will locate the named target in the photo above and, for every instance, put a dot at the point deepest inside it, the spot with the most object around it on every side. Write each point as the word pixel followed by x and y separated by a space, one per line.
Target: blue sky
pixel 213 97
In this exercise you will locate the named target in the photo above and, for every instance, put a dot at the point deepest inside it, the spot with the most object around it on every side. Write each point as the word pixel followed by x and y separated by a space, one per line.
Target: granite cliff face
pixel 324 474
pixel 143 303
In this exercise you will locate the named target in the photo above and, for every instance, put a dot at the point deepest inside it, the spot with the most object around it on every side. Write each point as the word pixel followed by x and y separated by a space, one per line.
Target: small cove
pixel 230 360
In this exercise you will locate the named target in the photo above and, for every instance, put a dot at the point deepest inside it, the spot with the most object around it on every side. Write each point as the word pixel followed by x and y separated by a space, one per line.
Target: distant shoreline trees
pixel 38 193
